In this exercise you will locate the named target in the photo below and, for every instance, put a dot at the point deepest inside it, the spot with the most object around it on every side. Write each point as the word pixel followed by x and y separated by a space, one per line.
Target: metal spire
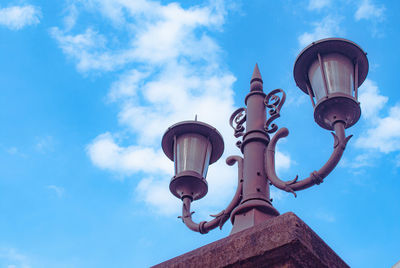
pixel 256 82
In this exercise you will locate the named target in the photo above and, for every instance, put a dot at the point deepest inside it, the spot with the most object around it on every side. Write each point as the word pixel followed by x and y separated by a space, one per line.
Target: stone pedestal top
pixel 283 241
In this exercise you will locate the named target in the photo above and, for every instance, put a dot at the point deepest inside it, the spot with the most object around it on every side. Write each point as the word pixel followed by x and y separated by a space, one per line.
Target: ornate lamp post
pixel 329 71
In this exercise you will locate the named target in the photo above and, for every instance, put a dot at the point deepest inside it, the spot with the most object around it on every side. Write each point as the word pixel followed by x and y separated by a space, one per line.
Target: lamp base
pixel 251 213
pixel 283 241
pixel 338 107
pixel 249 219
pixel 188 183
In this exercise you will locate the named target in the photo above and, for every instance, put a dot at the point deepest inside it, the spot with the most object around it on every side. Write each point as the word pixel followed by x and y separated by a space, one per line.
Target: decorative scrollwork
pixel 274 103
pixel 238 118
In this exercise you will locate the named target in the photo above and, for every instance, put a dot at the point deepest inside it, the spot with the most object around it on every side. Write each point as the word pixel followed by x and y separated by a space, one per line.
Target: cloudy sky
pixel 88 87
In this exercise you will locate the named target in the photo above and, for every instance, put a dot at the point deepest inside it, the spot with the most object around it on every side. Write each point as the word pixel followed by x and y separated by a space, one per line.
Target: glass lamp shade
pixel 338 72
pixel 193 146
pixel 331 70
pixel 192 153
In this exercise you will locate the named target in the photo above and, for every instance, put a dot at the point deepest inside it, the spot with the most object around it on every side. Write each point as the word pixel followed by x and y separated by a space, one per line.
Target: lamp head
pixel 331 70
pixel 193 146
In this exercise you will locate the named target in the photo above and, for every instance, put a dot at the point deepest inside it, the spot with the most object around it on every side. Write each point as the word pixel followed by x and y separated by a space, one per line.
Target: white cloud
pixel 17 17
pixel 328 27
pixel 370 99
pixel 13 150
pixel 365 159
pixel 159 34
pixel 72 16
pixel 282 161
pixel 127 86
pixel 10 257
pixel 106 154
pixel 179 93
pixel 57 189
pixel 172 72
pixel 156 194
pixel 318 4
pixel 44 144
pixel 372 13
pixel 385 134
pixel 368 11
pixel 382 133
pixel 88 48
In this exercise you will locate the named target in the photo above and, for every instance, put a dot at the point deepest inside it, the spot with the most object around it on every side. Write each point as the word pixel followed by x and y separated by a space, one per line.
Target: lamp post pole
pixel 255 206
pixel 329 71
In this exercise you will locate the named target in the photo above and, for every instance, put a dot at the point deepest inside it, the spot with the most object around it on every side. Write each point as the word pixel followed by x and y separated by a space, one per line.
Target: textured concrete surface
pixel 284 241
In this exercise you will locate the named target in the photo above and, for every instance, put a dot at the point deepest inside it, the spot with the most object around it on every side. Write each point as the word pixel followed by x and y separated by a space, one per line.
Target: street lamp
pixel 192 145
pixel 330 72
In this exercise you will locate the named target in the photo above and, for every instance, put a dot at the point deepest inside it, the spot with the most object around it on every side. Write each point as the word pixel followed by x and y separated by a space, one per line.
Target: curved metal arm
pixel 316 177
pixel 220 218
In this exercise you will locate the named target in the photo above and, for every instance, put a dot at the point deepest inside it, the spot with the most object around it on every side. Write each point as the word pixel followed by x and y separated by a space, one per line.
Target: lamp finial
pixel 256 82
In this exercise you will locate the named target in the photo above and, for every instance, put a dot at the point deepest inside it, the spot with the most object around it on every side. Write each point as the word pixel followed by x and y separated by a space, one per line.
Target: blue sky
pixel 87 88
